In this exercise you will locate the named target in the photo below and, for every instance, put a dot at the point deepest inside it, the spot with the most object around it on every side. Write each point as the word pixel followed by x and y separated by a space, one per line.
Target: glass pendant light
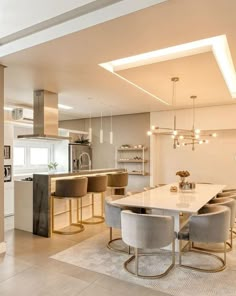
pixel 101 131
pixel 111 131
pixel 90 129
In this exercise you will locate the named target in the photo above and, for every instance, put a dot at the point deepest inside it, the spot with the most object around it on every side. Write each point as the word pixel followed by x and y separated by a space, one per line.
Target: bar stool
pixel 97 184
pixel 70 189
pixel 117 181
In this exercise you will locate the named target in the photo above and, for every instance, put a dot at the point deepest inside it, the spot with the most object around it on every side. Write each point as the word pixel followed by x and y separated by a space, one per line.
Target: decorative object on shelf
pixel 173 189
pixel 125 146
pixel 101 132
pixel 83 140
pixel 52 166
pixel 193 136
pixel 132 158
pixel 7 152
pixel 7 173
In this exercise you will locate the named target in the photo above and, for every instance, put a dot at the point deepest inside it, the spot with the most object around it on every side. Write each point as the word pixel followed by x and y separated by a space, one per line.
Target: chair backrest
pixel 146 231
pixel 211 225
pixel 118 179
pixel 71 187
pixel 97 183
pixel 113 212
pixel 226 194
pixel 228 202
pixel 229 190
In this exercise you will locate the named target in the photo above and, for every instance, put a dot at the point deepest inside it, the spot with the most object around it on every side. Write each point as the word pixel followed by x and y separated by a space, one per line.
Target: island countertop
pixel 78 173
pixel 43 186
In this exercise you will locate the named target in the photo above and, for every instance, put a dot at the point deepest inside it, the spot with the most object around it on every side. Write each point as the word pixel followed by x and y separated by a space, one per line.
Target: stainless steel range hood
pixel 45 117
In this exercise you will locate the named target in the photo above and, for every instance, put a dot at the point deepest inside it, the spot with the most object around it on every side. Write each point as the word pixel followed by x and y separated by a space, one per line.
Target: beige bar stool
pixel 117 181
pixel 96 184
pixel 70 189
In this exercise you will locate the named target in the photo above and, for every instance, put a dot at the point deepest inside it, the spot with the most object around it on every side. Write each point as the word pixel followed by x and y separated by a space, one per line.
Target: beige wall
pixel 1 154
pixel 128 129
pixel 213 162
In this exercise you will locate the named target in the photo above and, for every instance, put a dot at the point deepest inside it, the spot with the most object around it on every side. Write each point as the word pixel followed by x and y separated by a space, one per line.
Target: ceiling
pixel 69 65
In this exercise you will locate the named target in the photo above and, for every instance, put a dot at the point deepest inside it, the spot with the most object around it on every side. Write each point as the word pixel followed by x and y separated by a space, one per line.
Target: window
pixel 39 156
pixel 19 156
pixel 32 156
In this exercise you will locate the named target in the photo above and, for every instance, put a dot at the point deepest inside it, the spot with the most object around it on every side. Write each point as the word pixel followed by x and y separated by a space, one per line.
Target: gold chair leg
pixel 109 244
pixel 180 252
pixel 136 268
pixel 136 260
pixel 220 268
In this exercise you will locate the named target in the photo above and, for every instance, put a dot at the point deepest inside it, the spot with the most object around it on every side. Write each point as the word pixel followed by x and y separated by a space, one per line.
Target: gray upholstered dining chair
pixel 231 204
pixel 229 190
pixel 142 231
pixel 113 220
pixel 226 194
pixel 211 225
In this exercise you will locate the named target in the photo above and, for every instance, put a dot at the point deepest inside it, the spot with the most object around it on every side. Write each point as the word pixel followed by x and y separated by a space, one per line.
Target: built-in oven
pixel 7 173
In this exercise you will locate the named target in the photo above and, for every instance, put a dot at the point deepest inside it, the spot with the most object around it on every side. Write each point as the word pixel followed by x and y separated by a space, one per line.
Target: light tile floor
pixel 27 269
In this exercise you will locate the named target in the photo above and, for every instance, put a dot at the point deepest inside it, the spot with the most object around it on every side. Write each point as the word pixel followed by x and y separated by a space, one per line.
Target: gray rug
pixel 92 254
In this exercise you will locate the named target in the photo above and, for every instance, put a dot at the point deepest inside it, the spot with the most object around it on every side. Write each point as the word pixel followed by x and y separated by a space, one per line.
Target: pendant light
pixel 101 131
pixel 90 129
pixel 111 131
pixel 191 136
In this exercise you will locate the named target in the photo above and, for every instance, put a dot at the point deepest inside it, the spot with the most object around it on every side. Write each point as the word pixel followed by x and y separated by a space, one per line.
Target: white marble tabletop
pixel 162 198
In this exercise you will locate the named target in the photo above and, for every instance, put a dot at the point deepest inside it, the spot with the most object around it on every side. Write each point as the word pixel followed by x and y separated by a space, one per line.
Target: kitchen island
pixel 43 187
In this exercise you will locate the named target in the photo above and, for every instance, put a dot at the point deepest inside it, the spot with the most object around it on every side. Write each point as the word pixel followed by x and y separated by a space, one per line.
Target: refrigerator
pixel 80 157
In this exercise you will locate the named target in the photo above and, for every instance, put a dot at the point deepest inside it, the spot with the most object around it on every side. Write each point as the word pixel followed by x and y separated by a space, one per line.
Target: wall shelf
pixel 132 149
pixel 133 160
pixel 138 173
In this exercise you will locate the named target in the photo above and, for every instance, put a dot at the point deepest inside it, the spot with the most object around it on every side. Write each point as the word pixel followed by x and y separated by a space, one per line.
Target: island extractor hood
pixel 45 123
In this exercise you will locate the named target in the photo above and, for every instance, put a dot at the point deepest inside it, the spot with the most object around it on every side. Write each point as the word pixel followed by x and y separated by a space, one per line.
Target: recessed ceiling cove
pixel 144 72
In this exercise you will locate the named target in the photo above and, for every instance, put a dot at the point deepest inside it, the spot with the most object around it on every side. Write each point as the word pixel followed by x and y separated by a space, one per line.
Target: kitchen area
pixel 36 147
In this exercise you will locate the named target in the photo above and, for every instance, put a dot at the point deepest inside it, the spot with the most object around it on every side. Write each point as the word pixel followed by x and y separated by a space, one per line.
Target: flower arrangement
pixel 183 174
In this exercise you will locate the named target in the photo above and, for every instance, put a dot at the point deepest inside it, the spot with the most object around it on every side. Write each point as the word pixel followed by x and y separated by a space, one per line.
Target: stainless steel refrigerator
pixel 80 157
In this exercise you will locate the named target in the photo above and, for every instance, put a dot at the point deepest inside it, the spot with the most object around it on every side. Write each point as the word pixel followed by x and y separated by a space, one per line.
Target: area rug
pixel 92 254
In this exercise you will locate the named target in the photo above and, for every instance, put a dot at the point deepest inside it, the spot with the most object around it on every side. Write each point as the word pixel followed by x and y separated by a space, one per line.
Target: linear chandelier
pixel 184 137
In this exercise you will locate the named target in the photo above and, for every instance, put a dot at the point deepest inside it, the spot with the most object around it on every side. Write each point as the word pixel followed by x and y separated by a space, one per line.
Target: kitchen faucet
pixel 81 165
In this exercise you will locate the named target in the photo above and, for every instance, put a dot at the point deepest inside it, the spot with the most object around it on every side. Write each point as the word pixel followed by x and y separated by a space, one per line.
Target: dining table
pixel 181 204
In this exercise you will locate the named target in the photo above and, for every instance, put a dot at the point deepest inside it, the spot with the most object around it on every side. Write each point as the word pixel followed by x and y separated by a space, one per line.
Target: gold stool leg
pixel 100 218
pixel 79 226
pixel 52 215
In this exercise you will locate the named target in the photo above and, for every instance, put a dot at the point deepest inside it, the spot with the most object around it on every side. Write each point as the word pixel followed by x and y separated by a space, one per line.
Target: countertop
pixel 85 172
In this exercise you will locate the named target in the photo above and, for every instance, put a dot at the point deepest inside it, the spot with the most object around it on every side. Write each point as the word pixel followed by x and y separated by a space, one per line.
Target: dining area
pixel 168 221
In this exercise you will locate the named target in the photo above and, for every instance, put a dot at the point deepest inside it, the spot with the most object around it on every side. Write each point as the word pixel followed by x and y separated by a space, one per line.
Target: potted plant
pixel 52 166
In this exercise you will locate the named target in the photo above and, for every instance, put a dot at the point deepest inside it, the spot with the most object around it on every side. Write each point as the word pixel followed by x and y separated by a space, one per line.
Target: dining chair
pixel 226 194
pixel 113 220
pixel 231 204
pixel 146 232
pixel 211 225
